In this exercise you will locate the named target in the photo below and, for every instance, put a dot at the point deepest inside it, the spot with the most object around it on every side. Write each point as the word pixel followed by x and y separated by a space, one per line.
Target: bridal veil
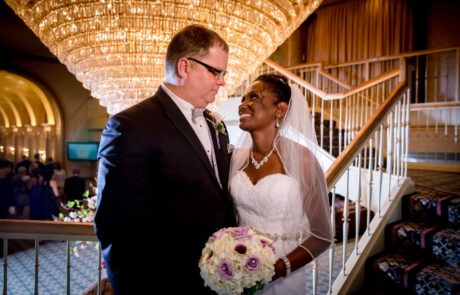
pixel 296 145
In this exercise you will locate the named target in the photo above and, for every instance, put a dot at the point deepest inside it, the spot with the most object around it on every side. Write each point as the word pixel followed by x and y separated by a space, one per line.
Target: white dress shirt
pixel 200 127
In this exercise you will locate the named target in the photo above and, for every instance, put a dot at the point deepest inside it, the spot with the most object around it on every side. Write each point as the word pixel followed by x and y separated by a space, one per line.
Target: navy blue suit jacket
pixel 155 183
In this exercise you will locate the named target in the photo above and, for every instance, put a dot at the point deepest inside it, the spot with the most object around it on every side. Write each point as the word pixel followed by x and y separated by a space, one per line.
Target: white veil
pixel 296 145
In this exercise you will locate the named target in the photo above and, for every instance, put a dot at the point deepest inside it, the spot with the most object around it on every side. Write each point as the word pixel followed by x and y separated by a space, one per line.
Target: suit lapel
pixel 178 119
pixel 220 143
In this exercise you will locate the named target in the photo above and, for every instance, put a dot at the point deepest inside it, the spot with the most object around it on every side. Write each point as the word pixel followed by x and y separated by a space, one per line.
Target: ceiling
pixel 17 41
pixel 22 102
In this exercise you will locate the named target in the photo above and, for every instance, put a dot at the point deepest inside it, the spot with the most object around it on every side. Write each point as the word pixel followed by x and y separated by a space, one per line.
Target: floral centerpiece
pixel 236 260
pixel 80 211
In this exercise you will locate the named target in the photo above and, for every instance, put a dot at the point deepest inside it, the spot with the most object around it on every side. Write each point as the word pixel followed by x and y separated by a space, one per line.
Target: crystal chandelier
pixel 116 48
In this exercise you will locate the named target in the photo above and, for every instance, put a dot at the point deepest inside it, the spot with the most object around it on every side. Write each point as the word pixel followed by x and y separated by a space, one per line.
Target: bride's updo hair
pixel 278 84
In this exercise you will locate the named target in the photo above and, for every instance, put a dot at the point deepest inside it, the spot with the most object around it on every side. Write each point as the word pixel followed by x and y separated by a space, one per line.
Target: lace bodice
pixel 274 206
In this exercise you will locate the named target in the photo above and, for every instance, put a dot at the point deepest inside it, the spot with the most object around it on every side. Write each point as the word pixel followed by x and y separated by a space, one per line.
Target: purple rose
pixel 241 233
pixel 218 234
pixel 264 242
pixel 253 263
pixel 225 270
pixel 241 248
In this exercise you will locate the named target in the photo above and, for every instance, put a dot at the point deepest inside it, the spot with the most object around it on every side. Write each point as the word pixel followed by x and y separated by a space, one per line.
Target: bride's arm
pixel 316 207
pixel 300 256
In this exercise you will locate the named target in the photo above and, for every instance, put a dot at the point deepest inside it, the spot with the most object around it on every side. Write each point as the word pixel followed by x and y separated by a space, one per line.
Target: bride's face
pixel 258 107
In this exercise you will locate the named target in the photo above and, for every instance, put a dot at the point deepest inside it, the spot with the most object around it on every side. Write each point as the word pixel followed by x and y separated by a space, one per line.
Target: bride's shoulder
pixel 290 146
pixel 240 152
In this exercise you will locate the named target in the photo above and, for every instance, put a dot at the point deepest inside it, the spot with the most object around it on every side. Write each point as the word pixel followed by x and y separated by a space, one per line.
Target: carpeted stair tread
pixel 438 241
pixel 437 279
pixel 409 235
pixel 422 253
pixel 397 268
pixel 446 246
pixel 453 211
pixel 415 273
pixel 431 205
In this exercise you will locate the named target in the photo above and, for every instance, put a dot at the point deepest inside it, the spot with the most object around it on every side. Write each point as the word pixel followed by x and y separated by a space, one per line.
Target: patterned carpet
pixel 448 182
pixel 323 271
pixel 422 250
pixel 53 272
pixel 52 276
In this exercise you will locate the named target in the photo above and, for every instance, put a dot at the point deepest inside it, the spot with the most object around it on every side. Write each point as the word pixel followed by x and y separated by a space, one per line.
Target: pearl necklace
pixel 264 160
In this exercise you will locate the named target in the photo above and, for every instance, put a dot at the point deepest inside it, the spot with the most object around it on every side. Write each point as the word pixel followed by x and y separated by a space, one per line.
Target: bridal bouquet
pixel 236 260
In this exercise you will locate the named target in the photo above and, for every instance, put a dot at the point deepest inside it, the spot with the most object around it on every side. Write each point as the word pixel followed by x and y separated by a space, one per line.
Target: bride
pixel 277 184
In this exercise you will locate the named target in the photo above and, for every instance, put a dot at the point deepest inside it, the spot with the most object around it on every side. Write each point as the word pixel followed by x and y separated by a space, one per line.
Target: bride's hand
pixel 280 269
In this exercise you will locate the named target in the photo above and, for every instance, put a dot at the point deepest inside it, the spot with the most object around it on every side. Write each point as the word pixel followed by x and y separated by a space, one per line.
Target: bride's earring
pixel 277 123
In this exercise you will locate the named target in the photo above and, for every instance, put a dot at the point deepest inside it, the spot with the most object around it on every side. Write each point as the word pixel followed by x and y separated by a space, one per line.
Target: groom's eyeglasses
pixel 216 72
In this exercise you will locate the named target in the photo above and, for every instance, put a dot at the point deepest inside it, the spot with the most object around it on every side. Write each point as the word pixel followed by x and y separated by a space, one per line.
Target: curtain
pixel 359 29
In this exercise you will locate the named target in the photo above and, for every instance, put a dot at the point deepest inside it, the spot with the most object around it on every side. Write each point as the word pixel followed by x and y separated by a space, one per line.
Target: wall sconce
pixel 25 151
pixel 46 128
pixel 42 154
pixel 2 149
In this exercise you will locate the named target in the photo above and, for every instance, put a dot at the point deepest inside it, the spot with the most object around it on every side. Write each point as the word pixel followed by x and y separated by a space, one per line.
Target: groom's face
pixel 258 107
pixel 203 81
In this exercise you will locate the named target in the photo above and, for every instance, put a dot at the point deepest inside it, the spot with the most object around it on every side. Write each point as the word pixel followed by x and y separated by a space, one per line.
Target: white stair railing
pixel 436 76
pixel 434 135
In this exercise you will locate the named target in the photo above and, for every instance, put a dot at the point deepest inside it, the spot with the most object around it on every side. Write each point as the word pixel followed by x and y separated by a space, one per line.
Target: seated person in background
pixel 74 186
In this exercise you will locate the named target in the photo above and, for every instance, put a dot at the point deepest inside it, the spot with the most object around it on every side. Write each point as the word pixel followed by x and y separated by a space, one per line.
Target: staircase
pixel 327 131
pixel 422 250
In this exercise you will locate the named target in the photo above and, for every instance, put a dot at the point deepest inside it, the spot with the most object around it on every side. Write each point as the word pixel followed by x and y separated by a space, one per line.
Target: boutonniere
pixel 218 125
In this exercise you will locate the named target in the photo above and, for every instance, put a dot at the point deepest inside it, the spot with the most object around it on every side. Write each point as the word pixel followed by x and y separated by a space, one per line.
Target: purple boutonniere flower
pixel 218 125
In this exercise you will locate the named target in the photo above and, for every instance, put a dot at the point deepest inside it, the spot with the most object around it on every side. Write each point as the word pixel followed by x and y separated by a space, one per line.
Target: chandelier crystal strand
pixel 116 48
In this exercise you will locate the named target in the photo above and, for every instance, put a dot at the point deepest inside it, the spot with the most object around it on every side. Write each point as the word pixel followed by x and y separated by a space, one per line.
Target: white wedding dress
pixel 273 206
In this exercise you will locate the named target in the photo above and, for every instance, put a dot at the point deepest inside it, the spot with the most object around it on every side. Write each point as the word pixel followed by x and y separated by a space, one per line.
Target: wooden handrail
pixel 296 79
pixel 342 163
pixel 376 59
pixel 46 230
pixel 309 65
pixel 319 66
pixel 334 172
pixel 385 76
pixel 339 95
pixel 334 79
pixel 434 106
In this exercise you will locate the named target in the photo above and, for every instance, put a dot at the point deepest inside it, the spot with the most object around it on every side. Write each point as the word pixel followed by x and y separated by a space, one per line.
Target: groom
pixel 162 179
